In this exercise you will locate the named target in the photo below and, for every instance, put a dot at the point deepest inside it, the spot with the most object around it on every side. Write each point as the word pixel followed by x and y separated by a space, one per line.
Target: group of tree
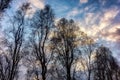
pixel 52 50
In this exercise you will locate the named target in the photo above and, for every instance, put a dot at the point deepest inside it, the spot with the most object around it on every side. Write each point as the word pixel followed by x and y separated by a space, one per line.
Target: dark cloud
pixel 118 32
pixel 117 35
pixel 112 36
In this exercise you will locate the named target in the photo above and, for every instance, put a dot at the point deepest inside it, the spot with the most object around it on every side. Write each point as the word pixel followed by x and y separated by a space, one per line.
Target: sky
pixel 100 19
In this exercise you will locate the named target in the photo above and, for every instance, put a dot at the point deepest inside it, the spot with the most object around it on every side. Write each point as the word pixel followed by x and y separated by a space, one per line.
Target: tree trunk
pixel 68 73
pixel 43 76
pixel 44 70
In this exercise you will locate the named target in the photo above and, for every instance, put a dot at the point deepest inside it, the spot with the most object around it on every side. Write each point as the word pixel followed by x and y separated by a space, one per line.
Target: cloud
pixel 35 4
pixel 83 1
pixel 108 29
pixel 98 24
pixel 38 3
pixel 104 27
pixel 73 12
pixel 112 34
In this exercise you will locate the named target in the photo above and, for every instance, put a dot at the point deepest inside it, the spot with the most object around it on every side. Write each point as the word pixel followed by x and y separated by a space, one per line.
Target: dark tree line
pixel 52 50
pixel 105 67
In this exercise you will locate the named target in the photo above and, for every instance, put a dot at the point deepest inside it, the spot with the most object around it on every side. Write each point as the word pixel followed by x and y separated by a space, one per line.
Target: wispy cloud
pixel 103 27
pixel 112 34
pixel 99 24
pixel 74 12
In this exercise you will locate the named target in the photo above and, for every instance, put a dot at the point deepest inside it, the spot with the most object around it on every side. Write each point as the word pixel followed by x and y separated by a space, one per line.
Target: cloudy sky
pixel 100 19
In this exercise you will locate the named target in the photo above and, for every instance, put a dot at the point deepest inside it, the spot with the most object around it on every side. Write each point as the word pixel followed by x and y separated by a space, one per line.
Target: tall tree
pixel 64 44
pixel 103 66
pixel 42 24
pixel 88 51
pixel 9 63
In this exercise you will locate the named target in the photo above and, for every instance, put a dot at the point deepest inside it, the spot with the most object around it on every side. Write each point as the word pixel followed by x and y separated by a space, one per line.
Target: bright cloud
pixel 37 3
pixel 97 25
pixel 83 1
pixel 112 34
pixel 102 28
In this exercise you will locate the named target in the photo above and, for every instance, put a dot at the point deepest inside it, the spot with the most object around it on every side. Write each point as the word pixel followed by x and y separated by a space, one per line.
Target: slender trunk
pixel 89 74
pixel 44 70
pixel 11 75
pixel 68 73
pixel 43 75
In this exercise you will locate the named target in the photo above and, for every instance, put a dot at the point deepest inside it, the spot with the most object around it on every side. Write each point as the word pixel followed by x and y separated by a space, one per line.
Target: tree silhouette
pixel 64 44
pixel 42 23
pixel 12 56
pixel 105 65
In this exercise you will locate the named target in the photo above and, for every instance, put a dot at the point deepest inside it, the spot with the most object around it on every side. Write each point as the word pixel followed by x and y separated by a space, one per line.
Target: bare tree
pixel 42 24
pixel 115 69
pixel 105 66
pixel 88 51
pixel 9 64
pixel 64 44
